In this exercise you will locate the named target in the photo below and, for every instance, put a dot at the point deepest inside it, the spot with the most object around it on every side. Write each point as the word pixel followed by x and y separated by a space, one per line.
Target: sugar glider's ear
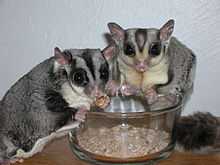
pixel 109 52
pixel 61 58
pixel 166 30
pixel 117 31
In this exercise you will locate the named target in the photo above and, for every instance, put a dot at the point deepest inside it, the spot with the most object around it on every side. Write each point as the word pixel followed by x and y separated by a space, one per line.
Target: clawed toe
pixel 128 90
pixel 112 88
pixel 151 96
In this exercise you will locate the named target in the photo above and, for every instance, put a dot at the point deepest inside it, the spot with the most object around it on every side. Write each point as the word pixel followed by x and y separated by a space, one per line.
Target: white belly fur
pixel 156 75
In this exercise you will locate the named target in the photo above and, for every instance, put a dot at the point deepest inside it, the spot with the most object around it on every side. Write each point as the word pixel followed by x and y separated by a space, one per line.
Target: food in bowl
pixel 102 102
pixel 123 141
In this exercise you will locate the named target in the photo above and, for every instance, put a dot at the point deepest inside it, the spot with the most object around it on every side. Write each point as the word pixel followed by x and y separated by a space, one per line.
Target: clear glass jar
pixel 108 138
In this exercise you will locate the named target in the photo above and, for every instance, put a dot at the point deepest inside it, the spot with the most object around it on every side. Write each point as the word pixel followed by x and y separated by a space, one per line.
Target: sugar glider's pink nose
pixel 141 66
pixel 96 92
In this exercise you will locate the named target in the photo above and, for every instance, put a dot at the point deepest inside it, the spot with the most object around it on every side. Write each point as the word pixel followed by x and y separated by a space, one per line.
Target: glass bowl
pixel 125 136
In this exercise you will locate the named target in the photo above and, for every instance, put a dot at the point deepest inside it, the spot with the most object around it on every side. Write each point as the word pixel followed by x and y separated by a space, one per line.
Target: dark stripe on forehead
pixel 67 53
pixel 140 38
pixel 89 62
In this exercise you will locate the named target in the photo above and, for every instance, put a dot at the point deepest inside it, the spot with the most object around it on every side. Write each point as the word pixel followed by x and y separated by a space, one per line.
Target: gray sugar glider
pixel 39 106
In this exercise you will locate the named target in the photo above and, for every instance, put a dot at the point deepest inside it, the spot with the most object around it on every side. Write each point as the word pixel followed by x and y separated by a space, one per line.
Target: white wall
pixel 30 29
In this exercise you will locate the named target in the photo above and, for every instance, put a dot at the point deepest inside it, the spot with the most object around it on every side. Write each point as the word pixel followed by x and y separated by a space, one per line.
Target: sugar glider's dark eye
pixel 80 77
pixel 129 50
pixel 155 49
pixel 104 72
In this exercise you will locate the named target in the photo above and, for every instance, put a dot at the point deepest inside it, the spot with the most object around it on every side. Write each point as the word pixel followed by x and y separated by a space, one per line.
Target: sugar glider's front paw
pixel 81 114
pixel 128 90
pixel 151 95
pixel 112 88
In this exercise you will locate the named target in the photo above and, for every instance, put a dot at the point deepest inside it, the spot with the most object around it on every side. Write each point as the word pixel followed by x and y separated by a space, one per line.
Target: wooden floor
pixel 59 153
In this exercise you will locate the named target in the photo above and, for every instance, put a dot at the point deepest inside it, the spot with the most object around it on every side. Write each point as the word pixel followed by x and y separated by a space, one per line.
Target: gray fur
pixel 42 102
pixel 24 115
pixel 181 69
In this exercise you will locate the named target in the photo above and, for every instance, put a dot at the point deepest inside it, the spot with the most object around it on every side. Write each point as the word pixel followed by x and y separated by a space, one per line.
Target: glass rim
pixel 178 105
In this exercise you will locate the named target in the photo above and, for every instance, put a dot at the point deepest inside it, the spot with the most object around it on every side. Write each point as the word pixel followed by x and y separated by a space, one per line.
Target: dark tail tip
pixel 197 131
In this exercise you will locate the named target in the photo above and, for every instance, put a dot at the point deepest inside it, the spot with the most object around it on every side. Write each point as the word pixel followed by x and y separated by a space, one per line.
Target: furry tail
pixel 198 133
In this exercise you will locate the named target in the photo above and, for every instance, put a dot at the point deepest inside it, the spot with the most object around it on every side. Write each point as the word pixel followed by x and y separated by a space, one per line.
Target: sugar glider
pixel 38 107
pixel 150 60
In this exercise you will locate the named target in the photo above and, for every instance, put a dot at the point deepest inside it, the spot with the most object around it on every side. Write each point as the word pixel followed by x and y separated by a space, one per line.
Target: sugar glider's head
pixel 141 48
pixel 86 70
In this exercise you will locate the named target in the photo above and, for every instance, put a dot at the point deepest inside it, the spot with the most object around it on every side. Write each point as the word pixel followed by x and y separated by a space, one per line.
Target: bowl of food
pixel 128 131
